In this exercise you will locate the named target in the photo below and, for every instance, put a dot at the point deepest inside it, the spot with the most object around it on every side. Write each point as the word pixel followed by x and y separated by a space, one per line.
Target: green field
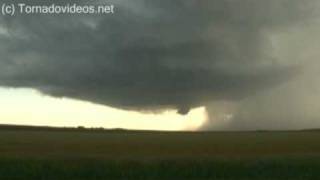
pixel 96 154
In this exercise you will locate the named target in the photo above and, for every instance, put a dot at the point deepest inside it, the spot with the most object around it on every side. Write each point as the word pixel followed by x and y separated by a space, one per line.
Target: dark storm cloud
pixel 152 55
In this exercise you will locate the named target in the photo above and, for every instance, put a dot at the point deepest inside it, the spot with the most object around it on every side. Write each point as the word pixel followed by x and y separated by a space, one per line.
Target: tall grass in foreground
pixel 220 169
pixel 48 154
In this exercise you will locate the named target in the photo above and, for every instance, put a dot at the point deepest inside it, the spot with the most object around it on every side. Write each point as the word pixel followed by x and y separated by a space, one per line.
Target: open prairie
pixel 45 153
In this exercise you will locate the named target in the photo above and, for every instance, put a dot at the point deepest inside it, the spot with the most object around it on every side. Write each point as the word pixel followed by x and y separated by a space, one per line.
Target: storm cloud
pixel 155 55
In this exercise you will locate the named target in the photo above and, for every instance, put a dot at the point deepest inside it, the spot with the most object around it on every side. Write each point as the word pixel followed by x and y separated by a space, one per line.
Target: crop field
pixel 71 154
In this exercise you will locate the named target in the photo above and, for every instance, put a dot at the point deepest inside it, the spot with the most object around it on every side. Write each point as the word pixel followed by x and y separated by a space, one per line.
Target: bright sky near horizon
pixel 29 107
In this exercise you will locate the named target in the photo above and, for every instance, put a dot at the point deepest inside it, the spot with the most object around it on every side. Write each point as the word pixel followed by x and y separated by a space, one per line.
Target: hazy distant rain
pixel 23 8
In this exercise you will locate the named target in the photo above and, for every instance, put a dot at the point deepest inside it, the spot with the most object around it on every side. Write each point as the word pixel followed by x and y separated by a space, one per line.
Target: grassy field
pixel 49 154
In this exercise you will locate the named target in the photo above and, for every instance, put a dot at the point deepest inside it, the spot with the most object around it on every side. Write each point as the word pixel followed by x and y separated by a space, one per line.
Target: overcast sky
pixel 253 64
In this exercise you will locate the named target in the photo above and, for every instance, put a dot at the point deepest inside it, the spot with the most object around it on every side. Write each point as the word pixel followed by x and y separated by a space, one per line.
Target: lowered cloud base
pixel 258 57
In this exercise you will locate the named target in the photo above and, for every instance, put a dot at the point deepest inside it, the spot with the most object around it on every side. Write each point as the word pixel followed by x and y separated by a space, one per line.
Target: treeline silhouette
pixel 49 128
